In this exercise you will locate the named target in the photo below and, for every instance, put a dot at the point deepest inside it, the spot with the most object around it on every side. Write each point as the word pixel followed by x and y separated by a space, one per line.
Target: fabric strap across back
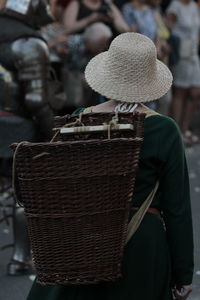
pixel 139 215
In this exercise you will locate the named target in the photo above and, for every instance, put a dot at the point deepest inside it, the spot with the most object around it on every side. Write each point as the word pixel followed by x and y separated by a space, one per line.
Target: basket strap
pixel 148 112
pixel 139 215
pixel 88 110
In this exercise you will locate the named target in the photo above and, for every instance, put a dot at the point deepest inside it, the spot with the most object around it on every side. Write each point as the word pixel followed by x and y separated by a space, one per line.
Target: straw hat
pixel 129 71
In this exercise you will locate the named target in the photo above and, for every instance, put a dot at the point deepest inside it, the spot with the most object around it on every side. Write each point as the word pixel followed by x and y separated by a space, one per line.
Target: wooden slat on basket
pixel 94 119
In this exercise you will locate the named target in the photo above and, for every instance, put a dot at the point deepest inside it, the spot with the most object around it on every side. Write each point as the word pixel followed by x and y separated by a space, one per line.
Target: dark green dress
pixel 160 254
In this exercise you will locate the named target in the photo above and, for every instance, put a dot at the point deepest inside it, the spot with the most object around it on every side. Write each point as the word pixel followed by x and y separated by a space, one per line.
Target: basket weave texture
pixel 77 196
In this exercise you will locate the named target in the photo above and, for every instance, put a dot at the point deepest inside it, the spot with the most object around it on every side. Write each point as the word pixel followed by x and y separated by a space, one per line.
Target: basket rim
pixel 26 144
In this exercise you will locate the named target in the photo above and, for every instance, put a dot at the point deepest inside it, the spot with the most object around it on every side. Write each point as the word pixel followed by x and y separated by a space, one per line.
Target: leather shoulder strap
pixel 139 215
pixel 148 112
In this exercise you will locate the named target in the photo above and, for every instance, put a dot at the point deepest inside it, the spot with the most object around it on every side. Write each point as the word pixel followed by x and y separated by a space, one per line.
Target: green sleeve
pixel 174 185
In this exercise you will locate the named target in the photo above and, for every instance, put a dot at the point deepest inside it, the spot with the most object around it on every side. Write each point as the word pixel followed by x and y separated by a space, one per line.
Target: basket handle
pixel 14 175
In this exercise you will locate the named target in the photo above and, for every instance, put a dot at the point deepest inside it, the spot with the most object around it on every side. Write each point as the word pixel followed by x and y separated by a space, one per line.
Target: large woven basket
pixel 77 196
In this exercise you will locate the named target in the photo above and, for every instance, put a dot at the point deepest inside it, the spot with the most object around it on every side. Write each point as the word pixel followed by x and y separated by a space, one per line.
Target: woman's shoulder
pixel 161 134
pixel 163 120
pixel 73 3
pixel 164 127
pixel 152 116
pixel 160 118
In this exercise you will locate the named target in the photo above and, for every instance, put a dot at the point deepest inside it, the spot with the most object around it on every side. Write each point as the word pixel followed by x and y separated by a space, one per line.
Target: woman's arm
pixel 158 46
pixel 176 207
pixel 71 24
pixel 133 28
pixel 170 20
pixel 117 19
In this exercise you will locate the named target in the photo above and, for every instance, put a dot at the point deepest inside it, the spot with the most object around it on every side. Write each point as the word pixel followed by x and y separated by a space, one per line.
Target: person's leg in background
pixel 190 106
pixel 163 103
pixel 177 103
pixel 177 109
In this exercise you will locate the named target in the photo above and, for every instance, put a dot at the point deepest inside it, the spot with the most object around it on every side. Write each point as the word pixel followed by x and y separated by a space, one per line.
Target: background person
pixel 140 18
pixel 163 32
pixel 80 49
pixel 81 13
pixel 163 49
pixel 183 20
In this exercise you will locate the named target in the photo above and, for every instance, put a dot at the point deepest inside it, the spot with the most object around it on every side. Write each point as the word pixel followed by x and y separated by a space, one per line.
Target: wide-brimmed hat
pixel 129 71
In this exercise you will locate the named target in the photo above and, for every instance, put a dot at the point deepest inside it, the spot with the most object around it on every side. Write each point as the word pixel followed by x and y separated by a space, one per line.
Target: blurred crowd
pixel 85 28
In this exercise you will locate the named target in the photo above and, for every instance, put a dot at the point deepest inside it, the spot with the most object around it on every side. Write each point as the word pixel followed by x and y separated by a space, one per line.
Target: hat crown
pixel 134 57
pixel 129 71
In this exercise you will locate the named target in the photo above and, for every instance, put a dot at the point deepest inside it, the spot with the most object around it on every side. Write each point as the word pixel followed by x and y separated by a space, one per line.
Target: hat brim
pixel 106 83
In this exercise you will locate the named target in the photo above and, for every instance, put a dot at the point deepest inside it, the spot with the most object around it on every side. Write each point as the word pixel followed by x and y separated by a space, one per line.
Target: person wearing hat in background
pixel 159 256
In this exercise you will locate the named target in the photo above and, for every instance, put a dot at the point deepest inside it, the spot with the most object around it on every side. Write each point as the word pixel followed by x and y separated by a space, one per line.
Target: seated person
pixel 79 14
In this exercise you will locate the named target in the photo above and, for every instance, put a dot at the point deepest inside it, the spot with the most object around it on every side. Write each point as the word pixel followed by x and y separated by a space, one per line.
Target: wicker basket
pixel 77 197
